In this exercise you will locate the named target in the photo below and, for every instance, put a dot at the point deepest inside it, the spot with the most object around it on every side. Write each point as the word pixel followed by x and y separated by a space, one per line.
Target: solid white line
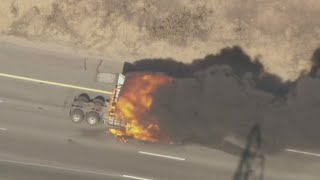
pixel 53 83
pixel 164 156
pixel 135 177
pixel 303 152
pixel 1 100
pixel 60 168
pixel 3 129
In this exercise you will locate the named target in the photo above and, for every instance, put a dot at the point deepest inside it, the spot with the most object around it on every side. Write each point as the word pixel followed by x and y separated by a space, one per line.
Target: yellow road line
pixel 53 83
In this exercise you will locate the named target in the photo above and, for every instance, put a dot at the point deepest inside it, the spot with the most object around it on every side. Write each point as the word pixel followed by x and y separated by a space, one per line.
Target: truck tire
pixel 76 115
pixel 99 101
pixel 83 97
pixel 92 118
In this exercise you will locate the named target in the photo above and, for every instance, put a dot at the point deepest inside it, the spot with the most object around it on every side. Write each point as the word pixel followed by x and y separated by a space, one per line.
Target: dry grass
pixel 282 34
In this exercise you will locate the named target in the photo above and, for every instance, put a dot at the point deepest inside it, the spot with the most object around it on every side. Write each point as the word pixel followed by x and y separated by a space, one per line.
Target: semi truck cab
pixel 102 108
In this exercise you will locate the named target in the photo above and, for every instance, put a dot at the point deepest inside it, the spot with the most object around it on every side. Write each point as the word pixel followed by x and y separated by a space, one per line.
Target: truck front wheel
pixel 77 115
pixel 92 118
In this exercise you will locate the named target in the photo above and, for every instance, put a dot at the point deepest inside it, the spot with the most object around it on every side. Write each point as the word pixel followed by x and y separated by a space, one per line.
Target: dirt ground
pixel 282 34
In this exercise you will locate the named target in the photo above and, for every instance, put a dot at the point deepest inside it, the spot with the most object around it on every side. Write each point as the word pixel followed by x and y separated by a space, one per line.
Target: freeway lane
pixel 34 114
pixel 9 171
pixel 50 66
pixel 45 138
pixel 33 130
pixel 96 152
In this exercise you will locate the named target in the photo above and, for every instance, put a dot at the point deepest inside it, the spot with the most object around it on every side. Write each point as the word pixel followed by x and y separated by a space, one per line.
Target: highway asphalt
pixel 38 141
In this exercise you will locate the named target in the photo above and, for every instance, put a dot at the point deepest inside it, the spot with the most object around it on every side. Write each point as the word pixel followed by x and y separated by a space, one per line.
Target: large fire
pixel 134 104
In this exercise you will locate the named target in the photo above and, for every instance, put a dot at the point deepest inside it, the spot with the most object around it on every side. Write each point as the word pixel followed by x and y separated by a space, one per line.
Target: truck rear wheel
pixel 77 115
pixel 83 97
pixel 99 101
pixel 92 118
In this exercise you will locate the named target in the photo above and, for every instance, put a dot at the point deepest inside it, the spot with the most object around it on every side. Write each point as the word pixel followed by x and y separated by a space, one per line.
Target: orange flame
pixel 134 103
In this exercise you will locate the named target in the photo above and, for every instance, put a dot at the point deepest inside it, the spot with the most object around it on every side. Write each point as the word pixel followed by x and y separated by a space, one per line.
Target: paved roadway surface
pixel 38 142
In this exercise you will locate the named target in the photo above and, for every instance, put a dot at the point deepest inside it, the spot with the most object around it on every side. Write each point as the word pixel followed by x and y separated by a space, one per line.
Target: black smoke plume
pixel 315 63
pixel 240 63
pixel 224 95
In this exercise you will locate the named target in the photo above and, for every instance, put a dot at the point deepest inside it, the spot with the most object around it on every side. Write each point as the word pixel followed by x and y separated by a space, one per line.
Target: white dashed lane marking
pixel 3 129
pixel 135 177
pixel 303 152
pixel 163 156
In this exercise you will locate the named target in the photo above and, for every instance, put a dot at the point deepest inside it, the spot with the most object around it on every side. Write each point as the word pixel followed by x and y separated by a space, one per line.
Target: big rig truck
pixel 101 108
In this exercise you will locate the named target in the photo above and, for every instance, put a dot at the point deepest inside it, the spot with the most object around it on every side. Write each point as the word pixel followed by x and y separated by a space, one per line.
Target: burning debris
pixel 134 105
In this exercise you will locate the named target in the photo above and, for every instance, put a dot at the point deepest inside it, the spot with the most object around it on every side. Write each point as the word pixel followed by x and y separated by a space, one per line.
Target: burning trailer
pixel 125 110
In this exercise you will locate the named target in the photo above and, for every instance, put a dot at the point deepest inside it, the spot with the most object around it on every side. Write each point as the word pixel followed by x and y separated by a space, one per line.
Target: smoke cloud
pixel 225 94
pixel 240 63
